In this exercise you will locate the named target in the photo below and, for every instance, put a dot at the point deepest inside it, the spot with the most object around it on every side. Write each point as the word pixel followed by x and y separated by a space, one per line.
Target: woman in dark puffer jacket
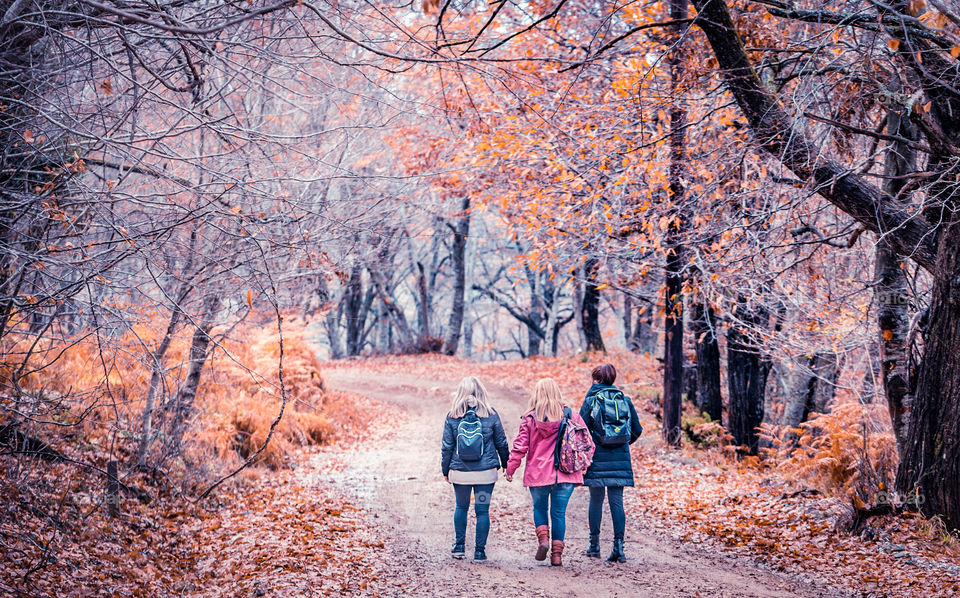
pixel 477 474
pixel 611 469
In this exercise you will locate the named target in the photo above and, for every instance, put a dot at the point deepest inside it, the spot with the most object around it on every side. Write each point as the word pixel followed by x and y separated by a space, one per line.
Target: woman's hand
pixel 508 477
pixel 446 479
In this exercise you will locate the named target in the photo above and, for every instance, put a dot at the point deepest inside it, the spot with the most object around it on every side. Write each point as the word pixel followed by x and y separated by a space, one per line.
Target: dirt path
pixel 399 481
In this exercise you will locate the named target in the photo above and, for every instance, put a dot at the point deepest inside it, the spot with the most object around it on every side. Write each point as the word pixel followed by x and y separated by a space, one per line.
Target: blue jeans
pixel 615 498
pixel 481 506
pixel 557 495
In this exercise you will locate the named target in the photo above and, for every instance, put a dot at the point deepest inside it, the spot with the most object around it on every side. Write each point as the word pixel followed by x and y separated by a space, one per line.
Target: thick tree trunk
pixel 673 300
pixel 455 324
pixel 747 371
pixel 892 291
pixel 533 342
pixel 929 472
pixel 708 361
pixel 591 306
pixel 929 467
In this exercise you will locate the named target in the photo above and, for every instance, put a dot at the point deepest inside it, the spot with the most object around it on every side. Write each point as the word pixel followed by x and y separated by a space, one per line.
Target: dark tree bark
pixel 423 304
pixel 353 307
pixel 892 291
pixel 747 371
pixel 929 466
pixel 591 306
pixel 690 389
pixel 455 323
pixel 708 361
pixel 673 300
pixel 627 320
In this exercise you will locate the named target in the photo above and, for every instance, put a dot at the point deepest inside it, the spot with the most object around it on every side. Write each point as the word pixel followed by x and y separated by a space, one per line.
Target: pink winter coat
pixel 536 441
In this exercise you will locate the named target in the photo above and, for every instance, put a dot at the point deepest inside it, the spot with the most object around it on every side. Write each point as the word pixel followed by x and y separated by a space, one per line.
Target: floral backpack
pixel 574 451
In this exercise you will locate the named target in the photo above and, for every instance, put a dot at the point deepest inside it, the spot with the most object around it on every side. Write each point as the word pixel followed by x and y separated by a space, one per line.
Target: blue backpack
pixel 611 418
pixel 470 437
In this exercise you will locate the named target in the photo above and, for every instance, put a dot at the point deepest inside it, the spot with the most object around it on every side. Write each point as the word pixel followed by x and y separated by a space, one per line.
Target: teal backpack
pixel 470 437
pixel 611 417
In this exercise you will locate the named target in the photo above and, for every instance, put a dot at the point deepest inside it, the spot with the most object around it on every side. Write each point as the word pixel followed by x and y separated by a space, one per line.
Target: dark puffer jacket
pixel 496 451
pixel 611 464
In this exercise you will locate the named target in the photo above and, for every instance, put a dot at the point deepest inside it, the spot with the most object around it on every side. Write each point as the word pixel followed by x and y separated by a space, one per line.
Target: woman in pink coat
pixel 549 487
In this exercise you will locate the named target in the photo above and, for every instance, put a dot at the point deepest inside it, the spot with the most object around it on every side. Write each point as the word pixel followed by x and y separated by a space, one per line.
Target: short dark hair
pixel 604 374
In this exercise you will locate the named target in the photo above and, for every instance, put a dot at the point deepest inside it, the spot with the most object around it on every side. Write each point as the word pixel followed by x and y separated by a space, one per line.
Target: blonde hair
pixel 470 395
pixel 546 401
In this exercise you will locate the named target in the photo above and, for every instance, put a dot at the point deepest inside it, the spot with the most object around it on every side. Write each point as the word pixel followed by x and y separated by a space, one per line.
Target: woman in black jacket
pixel 604 407
pixel 474 447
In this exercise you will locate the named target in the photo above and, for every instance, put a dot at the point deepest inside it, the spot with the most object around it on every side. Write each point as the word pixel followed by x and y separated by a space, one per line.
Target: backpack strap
pixel 563 428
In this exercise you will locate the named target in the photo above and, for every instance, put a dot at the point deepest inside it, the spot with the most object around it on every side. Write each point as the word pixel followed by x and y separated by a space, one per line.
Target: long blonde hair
pixel 546 402
pixel 470 395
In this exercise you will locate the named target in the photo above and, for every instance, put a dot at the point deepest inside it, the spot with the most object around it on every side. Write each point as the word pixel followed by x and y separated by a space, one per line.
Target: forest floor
pixel 374 518
pixel 398 482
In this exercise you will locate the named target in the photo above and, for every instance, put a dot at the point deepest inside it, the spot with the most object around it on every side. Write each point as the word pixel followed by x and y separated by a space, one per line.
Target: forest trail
pixel 399 483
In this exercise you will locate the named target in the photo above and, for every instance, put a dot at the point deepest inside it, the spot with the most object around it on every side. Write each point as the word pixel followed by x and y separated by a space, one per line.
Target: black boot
pixel 479 554
pixel 458 550
pixel 594 549
pixel 617 556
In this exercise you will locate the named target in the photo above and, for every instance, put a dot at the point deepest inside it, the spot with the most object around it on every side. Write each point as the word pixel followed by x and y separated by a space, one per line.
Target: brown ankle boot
pixel 557 554
pixel 543 541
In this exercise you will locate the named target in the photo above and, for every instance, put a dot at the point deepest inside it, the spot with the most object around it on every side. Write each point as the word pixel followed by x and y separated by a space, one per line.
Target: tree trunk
pixel 868 390
pixel 827 366
pixel 929 468
pixel 642 340
pixel 591 306
pixel 746 377
pixel 468 325
pixel 455 324
pixel 627 320
pixel 673 300
pixel 690 389
pixel 156 378
pixel 708 361
pixel 892 291
pixel 802 380
pixel 423 304
pixel 578 313
pixel 396 314
pixel 183 405
pixel 331 319
pixel 353 306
